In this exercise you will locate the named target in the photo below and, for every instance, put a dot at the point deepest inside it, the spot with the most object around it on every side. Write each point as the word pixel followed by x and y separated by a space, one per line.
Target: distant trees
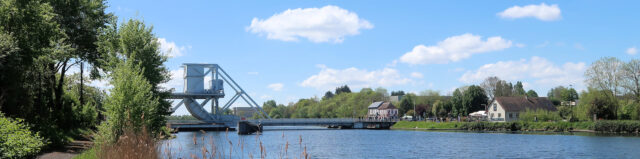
pixel 397 93
pixel 561 93
pixel 343 89
pixel 495 87
pixel 406 104
pixel 605 74
pixel 600 103
pixel 532 93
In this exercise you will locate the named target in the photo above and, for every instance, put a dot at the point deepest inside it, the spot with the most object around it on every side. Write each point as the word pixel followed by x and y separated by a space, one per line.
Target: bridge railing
pixel 323 120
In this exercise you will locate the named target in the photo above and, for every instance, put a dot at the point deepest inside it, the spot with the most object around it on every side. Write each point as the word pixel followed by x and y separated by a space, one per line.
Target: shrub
pixel 16 141
pixel 617 126
pixel 542 115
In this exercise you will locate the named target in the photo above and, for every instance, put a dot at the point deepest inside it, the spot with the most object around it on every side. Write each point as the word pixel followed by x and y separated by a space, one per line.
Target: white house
pixel 382 110
pixel 505 109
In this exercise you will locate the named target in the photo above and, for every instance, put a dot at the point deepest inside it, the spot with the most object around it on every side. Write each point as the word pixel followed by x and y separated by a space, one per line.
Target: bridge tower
pixel 194 78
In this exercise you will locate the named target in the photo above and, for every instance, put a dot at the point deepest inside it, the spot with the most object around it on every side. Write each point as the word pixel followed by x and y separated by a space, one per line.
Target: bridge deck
pixel 329 122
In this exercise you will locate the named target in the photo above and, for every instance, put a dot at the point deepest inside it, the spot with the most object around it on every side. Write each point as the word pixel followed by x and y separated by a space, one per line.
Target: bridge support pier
pixel 245 128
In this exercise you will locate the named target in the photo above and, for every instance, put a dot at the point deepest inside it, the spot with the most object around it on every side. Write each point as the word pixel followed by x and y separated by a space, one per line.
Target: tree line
pixel 43 41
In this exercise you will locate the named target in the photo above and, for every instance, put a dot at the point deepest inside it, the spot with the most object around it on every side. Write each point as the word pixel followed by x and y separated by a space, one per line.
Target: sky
pixel 287 50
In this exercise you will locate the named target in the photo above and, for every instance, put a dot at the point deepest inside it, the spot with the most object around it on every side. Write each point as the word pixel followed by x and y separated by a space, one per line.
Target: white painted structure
pixel 382 110
pixel 507 109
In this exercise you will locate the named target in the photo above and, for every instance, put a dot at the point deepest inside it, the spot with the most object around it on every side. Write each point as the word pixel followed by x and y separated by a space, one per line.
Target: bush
pixel 617 126
pixel 16 141
pixel 542 115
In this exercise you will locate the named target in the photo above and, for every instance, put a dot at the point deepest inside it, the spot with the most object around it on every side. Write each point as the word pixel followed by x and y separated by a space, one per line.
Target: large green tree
pixel 473 100
pixel 135 42
pixel 131 105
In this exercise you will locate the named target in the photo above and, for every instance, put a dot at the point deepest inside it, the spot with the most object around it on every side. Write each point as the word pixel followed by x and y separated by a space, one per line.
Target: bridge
pixel 194 82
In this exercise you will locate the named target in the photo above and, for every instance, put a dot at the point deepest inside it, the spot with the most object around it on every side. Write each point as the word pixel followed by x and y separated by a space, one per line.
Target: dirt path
pixel 74 148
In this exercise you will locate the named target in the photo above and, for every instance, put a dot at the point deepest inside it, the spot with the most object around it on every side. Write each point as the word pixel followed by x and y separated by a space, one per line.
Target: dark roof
pixel 375 105
pixel 517 104
pixel 387 105
pixel 381 105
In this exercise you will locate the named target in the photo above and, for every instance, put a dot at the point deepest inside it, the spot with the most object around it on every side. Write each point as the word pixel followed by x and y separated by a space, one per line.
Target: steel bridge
pixel 194 82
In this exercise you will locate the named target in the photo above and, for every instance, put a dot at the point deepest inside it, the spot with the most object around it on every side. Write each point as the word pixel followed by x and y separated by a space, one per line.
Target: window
pixel 499 115
pixel 517 115
pixel 495 107
pixel 491 115
pixel 510 115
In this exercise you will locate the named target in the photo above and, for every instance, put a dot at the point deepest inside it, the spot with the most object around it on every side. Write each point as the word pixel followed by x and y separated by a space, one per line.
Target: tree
pixel 456 102
pixel 343 89
pixel 532 93
pixel 397 93
pixel 473 100
pixel 135 42
pixel 599 102
pixel 490 85
pixel 631 78
pixel 518 89
pixel 406 104
pixel 569 95
pixel 429 92
pixel 130 105
pixel 327 95
pixel 605 74
pixel 26 82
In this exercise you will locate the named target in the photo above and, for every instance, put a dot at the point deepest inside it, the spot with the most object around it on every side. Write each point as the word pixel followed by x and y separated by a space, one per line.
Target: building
pixel 505 109
pixel 244 112
pixel 382 110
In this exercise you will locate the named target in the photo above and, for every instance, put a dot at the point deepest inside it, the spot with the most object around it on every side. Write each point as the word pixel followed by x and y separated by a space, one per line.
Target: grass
pixel 87 154
pixel 610 126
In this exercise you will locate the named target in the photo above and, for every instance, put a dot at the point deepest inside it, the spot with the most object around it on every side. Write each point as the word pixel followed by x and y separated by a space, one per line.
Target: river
pixel 358 143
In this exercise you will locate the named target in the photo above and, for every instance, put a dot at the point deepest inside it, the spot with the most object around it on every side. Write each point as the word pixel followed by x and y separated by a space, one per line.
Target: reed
pixel 216 150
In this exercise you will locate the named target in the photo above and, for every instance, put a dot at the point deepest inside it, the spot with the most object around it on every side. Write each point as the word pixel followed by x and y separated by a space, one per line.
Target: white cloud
pixel 171 49
pixel 329 78
pixel 176 80
pixel 632 50
pixel 453 49
pixel 543 72
pixel 326 24
pixel 520 45
pixel 542 12
pixel 416 75
pixel 275 86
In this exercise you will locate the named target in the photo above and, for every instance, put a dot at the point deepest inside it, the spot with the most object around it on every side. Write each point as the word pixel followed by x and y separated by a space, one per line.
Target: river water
pixel 357 143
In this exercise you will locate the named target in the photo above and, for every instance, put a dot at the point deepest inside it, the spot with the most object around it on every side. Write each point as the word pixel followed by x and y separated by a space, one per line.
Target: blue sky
pixel 286 50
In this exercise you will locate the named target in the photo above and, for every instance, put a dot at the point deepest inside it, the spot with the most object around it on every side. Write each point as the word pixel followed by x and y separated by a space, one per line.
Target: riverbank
pixel 598 126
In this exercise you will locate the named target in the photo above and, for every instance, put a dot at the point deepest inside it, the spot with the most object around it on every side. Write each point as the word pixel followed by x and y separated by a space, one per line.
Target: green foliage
pixel 406 103
pixel 541 114
pixel 473 99
pixel 600 103
pixel 16 141
pixel 397 93
pixel 617 126
pixel 532 93
pixel 328 95
pixel 343 89
pixel 566 112
pixel 497 126
pixel 628 110
pixel 131 104
pixel 518 89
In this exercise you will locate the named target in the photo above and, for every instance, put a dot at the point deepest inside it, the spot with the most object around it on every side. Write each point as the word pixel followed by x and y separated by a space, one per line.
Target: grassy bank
pixel 612 126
